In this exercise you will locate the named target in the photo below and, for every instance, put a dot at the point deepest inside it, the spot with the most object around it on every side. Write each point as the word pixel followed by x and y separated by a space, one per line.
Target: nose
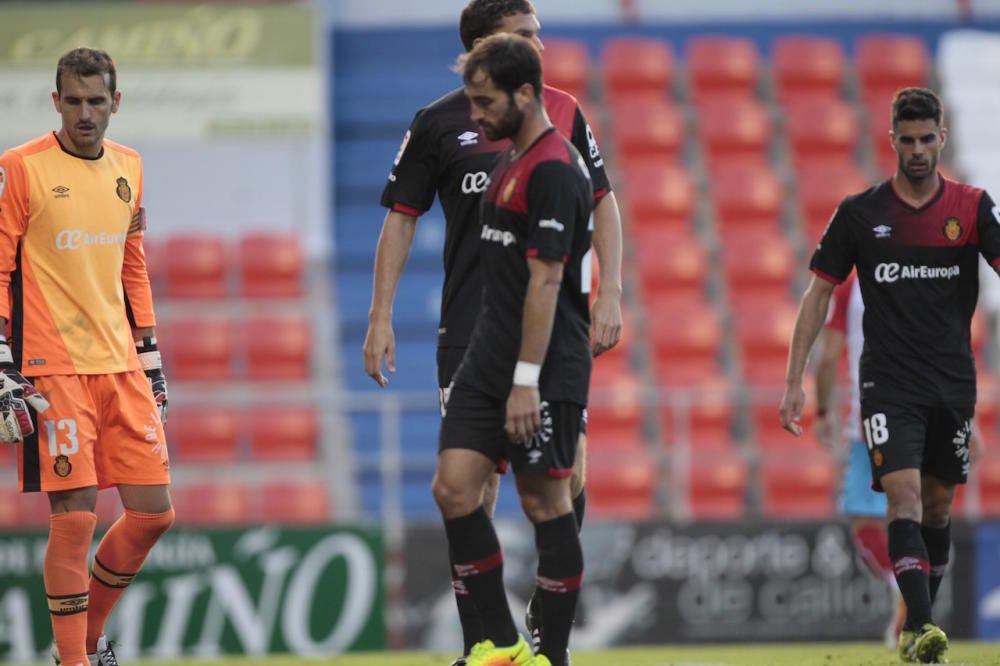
pixel 539 45
pixel 85 111
pixel 476 114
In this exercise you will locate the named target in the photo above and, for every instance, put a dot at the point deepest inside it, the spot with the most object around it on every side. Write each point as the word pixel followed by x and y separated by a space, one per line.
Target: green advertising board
pixel 164 35
pixel 308 591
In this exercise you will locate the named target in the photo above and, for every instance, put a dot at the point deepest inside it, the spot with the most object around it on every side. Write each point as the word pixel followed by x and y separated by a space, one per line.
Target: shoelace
pixel 107 657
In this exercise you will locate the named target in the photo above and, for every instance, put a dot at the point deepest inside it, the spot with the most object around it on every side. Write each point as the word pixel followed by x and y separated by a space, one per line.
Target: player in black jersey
pixel 444 152
pixel 521 389
pixel 915 240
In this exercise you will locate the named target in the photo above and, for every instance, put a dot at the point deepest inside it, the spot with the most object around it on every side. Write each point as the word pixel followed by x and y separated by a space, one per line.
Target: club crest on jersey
pixel 882 231
pixel 952 229
pixel 62 467
pixel 508 191
pixel 124 192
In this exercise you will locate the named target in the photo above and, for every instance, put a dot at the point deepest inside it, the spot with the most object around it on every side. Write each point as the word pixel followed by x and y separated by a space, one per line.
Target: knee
pixel 157 525
pixel 540 508
pixel 937 511
pixel 904 503
pixel 452 498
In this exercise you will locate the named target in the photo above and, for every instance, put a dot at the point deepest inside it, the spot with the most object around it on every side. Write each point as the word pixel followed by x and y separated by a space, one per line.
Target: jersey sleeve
pixel 553 201
pixel 14 195
pixel 988 228
pixel 837 317
pixel 834 257
pixel 412 180
pixel 135 276
pixel 585 142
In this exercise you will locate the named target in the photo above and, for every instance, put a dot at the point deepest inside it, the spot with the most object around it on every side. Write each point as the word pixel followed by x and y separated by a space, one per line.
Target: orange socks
pixel 119 556
pixel 65 571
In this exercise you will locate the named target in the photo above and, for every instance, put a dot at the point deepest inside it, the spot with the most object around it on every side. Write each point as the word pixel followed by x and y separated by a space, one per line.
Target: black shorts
pixel 900 435
pixel 474 420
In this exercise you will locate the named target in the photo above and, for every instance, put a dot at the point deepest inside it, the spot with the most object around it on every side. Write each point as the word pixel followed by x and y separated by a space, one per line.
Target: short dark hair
pixel 509 60
pixel 917 104
pixel 87 62
pixel 481 18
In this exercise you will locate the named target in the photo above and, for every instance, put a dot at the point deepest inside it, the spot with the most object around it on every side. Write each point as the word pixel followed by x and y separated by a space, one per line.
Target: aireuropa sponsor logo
pixel 890 272
pixel 74 239
pixel 475 182
pixel 497 236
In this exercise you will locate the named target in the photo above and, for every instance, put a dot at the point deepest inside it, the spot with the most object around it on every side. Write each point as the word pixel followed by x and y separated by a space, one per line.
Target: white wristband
pixel 5 354
pixel 526 374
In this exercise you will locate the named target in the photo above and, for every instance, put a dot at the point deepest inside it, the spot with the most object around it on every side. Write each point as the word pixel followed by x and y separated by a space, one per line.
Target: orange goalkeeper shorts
pixel 101 430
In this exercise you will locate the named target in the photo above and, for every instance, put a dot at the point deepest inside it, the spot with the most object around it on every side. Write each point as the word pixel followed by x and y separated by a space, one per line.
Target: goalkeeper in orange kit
pixel 81 385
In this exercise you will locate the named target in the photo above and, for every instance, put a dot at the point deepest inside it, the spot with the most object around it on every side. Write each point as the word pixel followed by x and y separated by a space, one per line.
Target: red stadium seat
pixel 717 485
pixel 271 265
pixel 203 434
pixel 987 401
pixel 987 471
pixel 636 66
pixel 602 440
pixel 215 503
pixel 887 62
pixel 747 197
pixel 621 486
pixel 807 66
pixel 650 129
pixel 197 348
pixel 282 432
pixel 758 264
pixel 658 195
pixel 719 65
pixel 821 130
pixel 195 266
pixel 278 348
pixel 800 486
pixel 706 421
pixel 734 129
pixel 293 503
pixel 821 188
pixel 156 264
pixel 567 66
pixel 683 331
pixel 671 263
pixel 763 333
pixel 23 510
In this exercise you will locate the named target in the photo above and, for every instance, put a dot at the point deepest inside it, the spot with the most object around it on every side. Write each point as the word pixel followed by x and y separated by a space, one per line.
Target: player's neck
pixel 79 151
pixel 916 192
pixel 534 125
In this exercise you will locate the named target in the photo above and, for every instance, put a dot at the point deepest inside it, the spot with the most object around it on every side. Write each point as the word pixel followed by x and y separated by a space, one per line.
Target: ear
pixel 476 42
pixel 944 135
pixel 55 102
pixel 524 96
pixel 116 100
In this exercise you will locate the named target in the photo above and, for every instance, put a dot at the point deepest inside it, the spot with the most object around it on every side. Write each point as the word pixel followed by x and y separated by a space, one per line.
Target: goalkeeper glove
pixel 149 359
pixel 16 393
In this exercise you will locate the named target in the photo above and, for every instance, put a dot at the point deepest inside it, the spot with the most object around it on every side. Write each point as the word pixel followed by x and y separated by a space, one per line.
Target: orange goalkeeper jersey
pixel 73 278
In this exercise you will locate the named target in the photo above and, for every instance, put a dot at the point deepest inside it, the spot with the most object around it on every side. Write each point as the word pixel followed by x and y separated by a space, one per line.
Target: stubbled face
pixel 85 104
pixel 525 25
pixel 918 145
pixel 495 111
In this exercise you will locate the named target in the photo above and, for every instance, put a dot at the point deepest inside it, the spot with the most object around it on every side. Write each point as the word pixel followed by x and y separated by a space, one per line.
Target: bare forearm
pixel 608 244
pixel 145 332
pixel 390 258
pixel 812 314
pixel 826 368
pixel 539 315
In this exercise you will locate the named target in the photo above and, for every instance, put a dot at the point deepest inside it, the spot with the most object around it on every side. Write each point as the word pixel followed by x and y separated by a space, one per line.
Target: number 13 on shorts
pixel 876 430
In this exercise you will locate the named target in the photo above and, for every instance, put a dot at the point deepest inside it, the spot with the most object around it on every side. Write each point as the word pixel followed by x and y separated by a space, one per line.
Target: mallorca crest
pixel 124 192
pixel 952 229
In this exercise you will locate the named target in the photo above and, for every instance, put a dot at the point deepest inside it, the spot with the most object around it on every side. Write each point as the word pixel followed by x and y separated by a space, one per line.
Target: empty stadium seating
pixel 278 347
pixel 621 486
pixel 807 66
pixel 887 62
pixel 198 348
pixel 203 434
pixel 717 485
pixel 195 266
pixel 721 65
pixel 758 265
pixel 282 432
pixel 635 67
pixel 821 187
pixel 746 196
pixel 763 332
pixel 567 66
pixel 271 266
pixel 658 195
pixel 733 130
pixel 671 263
pixel 821 130
pixel 652 129
pixel 798 486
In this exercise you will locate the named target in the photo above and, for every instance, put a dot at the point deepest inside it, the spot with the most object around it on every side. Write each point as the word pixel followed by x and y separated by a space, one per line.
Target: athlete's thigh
pixel 895 433
pixel 552 451
pixel 132 448
pixel 60 455
pixel 474 420
pixel 947 449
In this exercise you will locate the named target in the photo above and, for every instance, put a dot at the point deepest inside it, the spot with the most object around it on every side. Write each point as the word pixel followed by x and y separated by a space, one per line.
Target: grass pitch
pixel 801 654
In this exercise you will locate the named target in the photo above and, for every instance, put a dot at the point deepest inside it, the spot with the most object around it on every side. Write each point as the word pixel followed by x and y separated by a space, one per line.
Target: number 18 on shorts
pixel 934 440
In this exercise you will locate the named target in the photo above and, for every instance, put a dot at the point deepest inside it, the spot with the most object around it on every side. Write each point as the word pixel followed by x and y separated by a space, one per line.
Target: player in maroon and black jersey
pixel 447 154
pixel 915 240
pixel 521 389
